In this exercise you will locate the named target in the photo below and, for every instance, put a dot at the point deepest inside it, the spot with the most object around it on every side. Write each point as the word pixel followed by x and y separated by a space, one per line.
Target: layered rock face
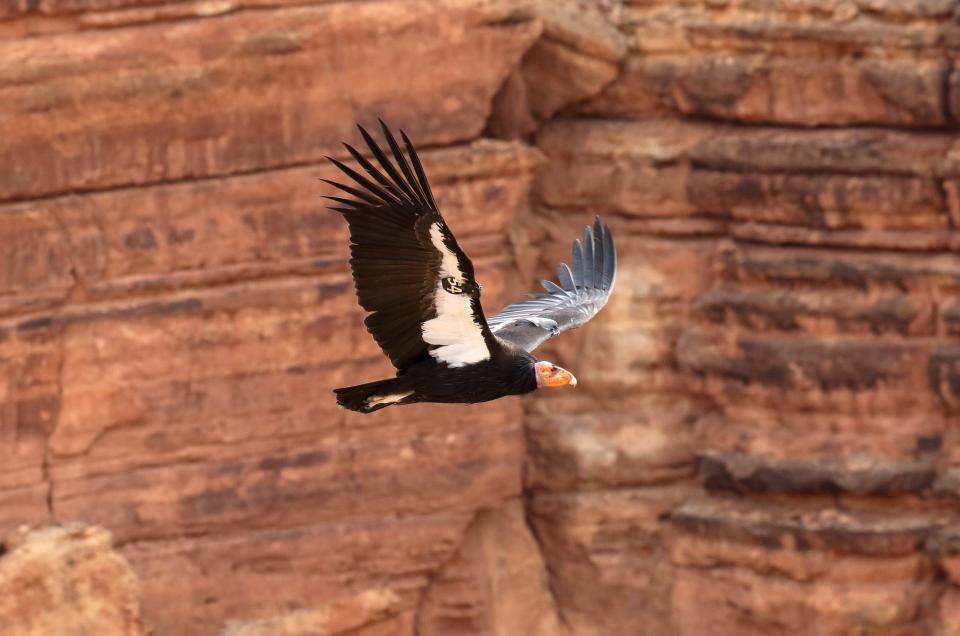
pixel 67 580
pixel 764 438
pixel 769 444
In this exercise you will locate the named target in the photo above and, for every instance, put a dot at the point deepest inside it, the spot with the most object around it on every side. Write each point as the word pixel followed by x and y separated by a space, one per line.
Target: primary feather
pixel 402 254
pixel 583 291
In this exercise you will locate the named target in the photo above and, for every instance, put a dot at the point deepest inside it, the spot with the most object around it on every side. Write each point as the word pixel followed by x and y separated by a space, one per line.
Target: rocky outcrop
pixel 495 584
pixel 66 580
pixel 764 437
pixel 577 55
pixel 367 614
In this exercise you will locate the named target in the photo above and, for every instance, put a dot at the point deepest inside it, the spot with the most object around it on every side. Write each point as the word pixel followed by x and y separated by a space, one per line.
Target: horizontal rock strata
pixel 764 437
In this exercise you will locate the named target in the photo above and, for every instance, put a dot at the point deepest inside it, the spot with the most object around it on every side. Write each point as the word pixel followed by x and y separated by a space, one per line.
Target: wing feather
pixel 552 288
pixel 387 165
pixel 415 191
pixel 610 260
pixel 385 197
pixel 587 257
pixel 598 253
pixel 577 263
pixel 583 291
pixel 401 253
pixel 395 190
pixel 422 178
pixel 359 194
pixel 565 276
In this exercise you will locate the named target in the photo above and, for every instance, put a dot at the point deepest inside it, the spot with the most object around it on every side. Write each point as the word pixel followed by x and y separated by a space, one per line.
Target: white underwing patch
pixel 457 336
pixel 449 263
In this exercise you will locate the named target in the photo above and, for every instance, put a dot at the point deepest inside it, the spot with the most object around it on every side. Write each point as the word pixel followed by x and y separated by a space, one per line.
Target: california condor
pixel 424 301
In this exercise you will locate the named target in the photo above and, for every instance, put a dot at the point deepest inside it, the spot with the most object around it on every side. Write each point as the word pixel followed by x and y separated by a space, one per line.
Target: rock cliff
pixel 764 438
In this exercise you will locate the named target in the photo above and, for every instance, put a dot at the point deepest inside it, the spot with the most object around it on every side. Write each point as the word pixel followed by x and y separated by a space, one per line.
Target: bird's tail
pixel 372 396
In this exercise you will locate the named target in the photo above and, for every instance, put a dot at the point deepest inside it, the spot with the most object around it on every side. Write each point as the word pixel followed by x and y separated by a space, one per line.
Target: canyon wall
pixel 764 438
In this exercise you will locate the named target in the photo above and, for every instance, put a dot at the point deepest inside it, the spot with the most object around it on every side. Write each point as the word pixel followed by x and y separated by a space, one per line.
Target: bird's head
pixel 549 374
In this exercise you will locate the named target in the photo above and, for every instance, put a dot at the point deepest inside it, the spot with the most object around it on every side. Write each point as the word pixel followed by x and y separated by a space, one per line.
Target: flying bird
pixel 423 300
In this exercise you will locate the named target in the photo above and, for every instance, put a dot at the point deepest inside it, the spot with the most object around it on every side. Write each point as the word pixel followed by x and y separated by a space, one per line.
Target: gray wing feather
pixel 565 276
pixel 583 291
pixel 587 257
pixel 598 256
pixel 610 263
pixel 552 287
pixel 577 263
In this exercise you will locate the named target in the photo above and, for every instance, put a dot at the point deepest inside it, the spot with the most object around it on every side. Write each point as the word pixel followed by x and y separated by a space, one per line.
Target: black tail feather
pixel 362 398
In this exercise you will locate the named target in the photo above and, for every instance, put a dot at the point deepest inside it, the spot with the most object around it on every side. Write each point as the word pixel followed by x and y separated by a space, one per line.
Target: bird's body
pixel 509 372
pixel 424 302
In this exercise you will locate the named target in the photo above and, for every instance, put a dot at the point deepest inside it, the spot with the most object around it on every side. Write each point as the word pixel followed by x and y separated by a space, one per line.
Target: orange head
pixel 549 374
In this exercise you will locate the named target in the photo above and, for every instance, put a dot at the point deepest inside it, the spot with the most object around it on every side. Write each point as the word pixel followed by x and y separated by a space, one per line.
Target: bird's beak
pixel 552 375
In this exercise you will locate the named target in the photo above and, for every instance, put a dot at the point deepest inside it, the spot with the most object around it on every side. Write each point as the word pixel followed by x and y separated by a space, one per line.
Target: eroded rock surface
pixel 67 581
pixel 764 437
pixel 366 614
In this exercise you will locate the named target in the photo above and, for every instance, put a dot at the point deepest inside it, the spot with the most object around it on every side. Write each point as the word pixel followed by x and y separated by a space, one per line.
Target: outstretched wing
pixel 409 271
pixel 582 292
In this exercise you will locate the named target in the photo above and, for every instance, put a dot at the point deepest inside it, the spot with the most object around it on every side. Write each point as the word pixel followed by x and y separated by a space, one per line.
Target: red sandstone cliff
pixel 764 439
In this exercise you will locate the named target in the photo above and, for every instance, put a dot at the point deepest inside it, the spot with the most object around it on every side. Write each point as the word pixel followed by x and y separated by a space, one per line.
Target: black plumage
pixel 510 373
pixel 424 302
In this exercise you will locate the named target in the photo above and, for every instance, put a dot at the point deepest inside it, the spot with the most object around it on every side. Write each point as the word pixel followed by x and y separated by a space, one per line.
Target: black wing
pixel 583 291
pixel 409 271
